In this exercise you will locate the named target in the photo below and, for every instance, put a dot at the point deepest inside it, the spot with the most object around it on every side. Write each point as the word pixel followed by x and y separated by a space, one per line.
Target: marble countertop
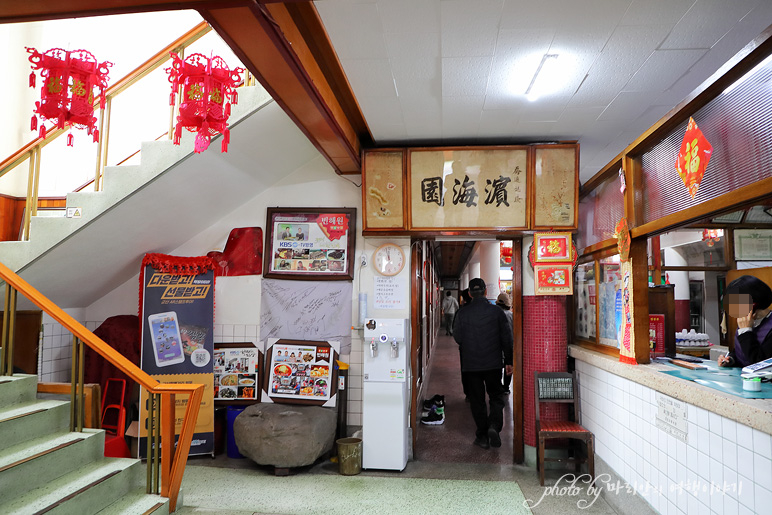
pixel 756 413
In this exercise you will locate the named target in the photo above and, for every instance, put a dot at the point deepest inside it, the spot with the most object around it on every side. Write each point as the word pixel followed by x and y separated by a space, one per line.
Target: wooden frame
pixel 303 231
pixel 555 199
pixel 308 401
pixel 554 279
pixel 477 194
pixel 556 248
pixel 258 375
pixel 384 191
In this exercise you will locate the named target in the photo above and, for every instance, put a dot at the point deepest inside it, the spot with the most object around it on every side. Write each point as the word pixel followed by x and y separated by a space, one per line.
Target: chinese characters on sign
pixel 468 188
pixel 693 157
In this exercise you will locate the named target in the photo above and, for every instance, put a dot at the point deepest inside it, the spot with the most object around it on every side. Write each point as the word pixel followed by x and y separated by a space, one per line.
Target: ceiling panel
pixel 410 16
pixel 465 76
pixel 706 21
pixel 469 31
pixel 662 69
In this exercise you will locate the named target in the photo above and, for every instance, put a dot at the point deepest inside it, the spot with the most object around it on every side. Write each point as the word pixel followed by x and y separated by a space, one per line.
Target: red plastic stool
pixel 115 443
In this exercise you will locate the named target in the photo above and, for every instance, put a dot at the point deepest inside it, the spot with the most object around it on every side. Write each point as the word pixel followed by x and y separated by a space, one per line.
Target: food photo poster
pixel 301 371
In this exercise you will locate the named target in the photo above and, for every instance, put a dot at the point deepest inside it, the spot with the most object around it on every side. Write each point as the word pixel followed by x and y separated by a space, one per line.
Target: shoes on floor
pixel 434 418
pixel 482 442
pixel 494 438
pixel 435 403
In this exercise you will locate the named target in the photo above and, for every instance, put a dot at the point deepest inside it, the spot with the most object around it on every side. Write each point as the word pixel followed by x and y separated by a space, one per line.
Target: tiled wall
pixel 55 359
pixel 545 341
pixel 724 468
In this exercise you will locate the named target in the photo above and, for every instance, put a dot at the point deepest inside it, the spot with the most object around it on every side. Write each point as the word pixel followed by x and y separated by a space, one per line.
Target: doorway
pixel 435 356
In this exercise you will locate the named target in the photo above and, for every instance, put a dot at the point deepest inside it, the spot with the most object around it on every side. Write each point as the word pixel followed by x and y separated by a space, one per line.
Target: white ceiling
pixel 452 71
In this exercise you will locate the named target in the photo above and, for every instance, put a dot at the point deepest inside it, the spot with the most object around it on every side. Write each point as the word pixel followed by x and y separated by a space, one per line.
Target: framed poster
pixel 300 372
pixel 310 243
pixel 552 247
pixel 555 186
pixel 383 186
pixel 468 188
pixel 237 373
pixel 554 279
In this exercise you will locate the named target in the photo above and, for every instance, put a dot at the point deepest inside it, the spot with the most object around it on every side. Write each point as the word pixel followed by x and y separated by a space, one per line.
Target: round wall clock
pixel 389 259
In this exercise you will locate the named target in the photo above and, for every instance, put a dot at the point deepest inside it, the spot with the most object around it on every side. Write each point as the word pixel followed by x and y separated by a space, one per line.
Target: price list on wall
pixel 390 293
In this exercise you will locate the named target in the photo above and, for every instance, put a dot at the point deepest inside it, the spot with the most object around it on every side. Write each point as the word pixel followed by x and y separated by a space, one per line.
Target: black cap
pixel 476 285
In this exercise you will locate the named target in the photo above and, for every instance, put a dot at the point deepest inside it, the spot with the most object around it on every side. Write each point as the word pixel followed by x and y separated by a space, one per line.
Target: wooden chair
pixel 560 387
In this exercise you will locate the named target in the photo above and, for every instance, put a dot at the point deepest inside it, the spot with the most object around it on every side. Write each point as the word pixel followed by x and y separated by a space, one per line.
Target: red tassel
pixel 42 133
pixel 235 97
pixel 96 135
pixel 34 123
pixel 32 80
pixel 69 140
pixel 226 138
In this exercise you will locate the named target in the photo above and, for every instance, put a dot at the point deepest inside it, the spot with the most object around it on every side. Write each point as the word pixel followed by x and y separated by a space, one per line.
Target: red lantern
pixel 67 94
pixel 208 90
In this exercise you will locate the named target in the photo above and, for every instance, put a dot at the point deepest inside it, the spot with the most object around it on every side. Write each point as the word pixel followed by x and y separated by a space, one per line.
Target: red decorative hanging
pixel 67 93
pixel 208 90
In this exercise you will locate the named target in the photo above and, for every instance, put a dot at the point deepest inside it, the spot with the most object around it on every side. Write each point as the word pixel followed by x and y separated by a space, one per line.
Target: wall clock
pixel 389 259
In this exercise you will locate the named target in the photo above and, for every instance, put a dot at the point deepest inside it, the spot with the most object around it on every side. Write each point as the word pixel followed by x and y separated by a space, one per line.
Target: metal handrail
pixel 32 149
pixel 171 467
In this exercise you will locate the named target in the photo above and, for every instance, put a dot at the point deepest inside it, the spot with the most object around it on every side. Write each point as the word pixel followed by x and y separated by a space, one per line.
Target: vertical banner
pixel 177 318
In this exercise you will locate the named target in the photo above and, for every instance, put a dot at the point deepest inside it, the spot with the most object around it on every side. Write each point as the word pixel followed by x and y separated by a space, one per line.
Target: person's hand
pixel 508 369
pixel 724 361
pixel 746 321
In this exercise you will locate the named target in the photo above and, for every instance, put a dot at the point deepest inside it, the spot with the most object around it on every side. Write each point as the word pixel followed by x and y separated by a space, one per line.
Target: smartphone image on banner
pixel 165 336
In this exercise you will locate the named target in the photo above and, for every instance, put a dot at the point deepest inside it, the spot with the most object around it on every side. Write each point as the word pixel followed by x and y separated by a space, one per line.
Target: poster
pixel 177 317
pixel 693 157
pixel 390 292
pixel 307 310
pixel 236 373
pixel 553 279
pixel 300 372
pixel 310 243
pixel 657 335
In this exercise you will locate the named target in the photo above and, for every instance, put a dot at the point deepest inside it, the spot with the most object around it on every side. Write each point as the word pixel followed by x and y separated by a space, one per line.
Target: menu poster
pixel 301 372
pixel 310 244
pixel 236 372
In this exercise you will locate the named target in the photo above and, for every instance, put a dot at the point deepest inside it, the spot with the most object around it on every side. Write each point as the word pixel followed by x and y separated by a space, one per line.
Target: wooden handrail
pixel 141 71
pixel 173 467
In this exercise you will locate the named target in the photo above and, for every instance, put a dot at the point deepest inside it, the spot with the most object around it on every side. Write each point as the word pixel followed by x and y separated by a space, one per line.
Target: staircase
pixel 45 468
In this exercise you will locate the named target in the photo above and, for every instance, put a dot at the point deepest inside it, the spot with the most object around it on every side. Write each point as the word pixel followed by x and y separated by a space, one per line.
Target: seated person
pixel 747 298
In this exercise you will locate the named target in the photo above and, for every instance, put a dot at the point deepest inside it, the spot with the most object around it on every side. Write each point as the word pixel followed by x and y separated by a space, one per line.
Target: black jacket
pixel 484 334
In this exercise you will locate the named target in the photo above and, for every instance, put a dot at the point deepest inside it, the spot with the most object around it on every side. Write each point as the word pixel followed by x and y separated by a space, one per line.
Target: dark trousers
pixel 477 383
pixel 449 323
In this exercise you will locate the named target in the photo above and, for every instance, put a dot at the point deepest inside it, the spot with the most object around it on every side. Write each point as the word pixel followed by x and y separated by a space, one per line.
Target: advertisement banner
pixel 177 318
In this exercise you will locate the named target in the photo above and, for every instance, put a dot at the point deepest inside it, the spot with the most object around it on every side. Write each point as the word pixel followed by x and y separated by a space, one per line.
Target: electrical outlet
pixel 364 260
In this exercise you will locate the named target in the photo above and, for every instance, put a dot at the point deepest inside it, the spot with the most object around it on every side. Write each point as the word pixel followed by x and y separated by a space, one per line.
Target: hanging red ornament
pixel 208 90
pixel 67 92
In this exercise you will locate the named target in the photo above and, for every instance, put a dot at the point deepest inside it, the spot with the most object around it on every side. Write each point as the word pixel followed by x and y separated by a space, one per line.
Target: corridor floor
pixel 451 442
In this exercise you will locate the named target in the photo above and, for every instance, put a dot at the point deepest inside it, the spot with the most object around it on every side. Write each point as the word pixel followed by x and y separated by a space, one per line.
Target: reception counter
pixel 680 445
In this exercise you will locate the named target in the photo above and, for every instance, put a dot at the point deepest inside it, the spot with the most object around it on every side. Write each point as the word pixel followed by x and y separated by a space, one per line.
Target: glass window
pixel 610 301
pixel 584 293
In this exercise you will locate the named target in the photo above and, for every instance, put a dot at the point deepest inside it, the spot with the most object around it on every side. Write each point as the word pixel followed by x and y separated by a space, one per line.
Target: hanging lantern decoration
pixel 208 90
pixel 67 94
pixel 712 236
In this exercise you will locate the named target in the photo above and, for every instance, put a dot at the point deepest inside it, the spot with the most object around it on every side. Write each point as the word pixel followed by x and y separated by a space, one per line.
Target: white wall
pixel 724 468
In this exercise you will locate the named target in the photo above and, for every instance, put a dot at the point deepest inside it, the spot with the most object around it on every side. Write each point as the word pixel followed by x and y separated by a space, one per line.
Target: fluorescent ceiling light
pixel 545 80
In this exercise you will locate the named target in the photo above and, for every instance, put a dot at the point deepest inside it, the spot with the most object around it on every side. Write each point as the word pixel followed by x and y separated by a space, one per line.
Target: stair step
pixel 138 503
pixel 18 389
pixel 89 489
pixel 23 422
pixel 34 463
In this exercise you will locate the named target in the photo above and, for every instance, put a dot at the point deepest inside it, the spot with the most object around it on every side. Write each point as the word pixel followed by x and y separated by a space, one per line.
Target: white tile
pixel 745 462
pixel 762 471
pixel 745 436
pixel 239 331
pixel 716 471
pixel 251 330
pixel 762 443
pixel 692 455
pixel 703 440
pixel 763 497
pixel 730 482
pixel 703 419
pixel 746 491
pixel 716 446
pixel 217 330
pixel 703 464
pixel 715 423
pixel 730 455
pixel 681 452
pixel 729 429
pixel 227 330
pixel 731 506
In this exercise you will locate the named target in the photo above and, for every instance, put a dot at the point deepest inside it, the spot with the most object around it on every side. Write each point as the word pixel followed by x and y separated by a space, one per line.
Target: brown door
pixel 25 340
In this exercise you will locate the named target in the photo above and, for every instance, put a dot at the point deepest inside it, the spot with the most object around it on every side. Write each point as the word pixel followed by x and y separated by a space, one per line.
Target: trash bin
pixel 233 450
pixel 349 456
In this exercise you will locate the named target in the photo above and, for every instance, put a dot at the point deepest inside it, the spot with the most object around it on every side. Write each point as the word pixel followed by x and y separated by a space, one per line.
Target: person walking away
pixel 449 308
pixel 484 336
pixel 505 303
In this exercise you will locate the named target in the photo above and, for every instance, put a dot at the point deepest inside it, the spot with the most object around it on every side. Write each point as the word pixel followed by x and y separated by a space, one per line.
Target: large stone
pixel 285 435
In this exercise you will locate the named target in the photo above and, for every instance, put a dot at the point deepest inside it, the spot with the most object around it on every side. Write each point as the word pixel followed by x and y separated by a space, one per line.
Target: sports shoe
pixel 437 402
pixel 434 418
pixel 482 442
pixel 494 437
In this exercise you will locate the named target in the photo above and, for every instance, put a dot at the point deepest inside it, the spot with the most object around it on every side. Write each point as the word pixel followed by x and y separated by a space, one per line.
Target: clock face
pixel 389 259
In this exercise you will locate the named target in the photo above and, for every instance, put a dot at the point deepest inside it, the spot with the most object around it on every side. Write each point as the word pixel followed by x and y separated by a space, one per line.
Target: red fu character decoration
pixel 67 95
pixel 207 87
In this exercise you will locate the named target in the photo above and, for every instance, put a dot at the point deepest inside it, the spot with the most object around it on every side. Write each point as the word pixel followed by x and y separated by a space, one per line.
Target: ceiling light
pixel 545 79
